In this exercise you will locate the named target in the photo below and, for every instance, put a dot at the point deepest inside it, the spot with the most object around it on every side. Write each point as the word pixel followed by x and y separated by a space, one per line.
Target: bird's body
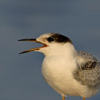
pixel 59 75
pixel 66 70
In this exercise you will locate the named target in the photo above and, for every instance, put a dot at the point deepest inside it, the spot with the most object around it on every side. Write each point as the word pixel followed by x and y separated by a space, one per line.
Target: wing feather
pixel 88 73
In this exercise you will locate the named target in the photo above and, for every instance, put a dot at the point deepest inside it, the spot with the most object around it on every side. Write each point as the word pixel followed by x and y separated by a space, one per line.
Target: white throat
pixel 61 56
pixel 56 49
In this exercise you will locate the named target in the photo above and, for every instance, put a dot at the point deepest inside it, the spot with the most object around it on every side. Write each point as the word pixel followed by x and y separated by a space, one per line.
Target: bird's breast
pixel 57 72
pixel 57 67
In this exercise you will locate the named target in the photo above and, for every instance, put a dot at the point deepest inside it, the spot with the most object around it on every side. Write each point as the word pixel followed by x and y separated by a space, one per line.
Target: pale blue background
pixel 20 75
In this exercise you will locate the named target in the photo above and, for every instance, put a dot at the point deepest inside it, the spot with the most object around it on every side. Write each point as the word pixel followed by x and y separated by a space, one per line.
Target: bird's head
pixel 51 43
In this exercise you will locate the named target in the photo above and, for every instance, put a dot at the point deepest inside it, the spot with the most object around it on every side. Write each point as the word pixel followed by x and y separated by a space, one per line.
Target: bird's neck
pixel 65 50
pixel 67 57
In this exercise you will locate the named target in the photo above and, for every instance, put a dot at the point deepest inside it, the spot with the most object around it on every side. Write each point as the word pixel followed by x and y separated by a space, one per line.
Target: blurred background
pixel 20 75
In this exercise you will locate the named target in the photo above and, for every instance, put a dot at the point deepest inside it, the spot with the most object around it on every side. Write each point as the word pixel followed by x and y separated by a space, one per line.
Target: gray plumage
pixel 88 73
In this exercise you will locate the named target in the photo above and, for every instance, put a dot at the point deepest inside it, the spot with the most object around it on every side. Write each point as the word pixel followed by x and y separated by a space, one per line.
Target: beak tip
pixel 20 53
pixel 20 39
pixel 32 40
pixel 24 52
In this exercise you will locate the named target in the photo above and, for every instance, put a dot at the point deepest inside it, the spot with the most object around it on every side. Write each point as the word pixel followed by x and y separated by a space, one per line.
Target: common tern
pixel 66 70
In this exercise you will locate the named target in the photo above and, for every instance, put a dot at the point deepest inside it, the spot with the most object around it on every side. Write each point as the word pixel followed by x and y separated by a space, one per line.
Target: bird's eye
pixel 50 39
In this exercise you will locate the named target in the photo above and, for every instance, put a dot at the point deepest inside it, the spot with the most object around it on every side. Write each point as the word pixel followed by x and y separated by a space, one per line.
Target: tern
pixel 67 70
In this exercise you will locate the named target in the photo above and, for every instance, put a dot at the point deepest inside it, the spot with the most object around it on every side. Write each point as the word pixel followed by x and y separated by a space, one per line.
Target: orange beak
pixel 34 49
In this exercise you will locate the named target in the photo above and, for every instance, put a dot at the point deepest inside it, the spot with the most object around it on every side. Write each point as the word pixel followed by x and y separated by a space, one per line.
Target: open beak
pixel 34 49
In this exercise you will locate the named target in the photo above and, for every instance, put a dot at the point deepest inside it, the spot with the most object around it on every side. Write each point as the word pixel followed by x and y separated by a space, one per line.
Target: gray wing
pixel 88 73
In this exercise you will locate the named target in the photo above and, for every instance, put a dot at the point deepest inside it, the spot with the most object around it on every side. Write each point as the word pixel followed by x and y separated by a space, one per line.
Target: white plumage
pixel 65 69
